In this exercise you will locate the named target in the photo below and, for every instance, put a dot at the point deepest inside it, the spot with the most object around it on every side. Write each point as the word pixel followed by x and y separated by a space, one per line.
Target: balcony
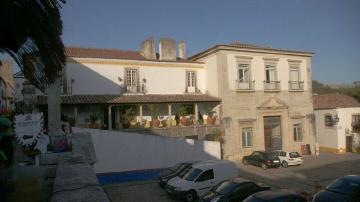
pixel 272 85
pixel 135 88
pixel 244 85
pixel 296 85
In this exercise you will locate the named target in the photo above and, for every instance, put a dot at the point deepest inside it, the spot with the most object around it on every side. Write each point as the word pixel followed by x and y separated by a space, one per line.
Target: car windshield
pixel 253 199
pixel 184 172
pixel 294 155
pixel 192 174
pixel 272 155
pixel 224 187
pixel 180 169
pixel 344 186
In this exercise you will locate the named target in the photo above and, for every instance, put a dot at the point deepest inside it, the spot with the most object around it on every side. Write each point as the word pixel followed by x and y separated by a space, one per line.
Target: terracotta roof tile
pixel 334 100
pixel 81 52
pixel 131 99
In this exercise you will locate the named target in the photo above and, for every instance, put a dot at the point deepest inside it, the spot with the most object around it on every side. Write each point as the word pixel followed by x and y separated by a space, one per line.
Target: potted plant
pixel 94 117
pixel 181 113
pixel 210 116
pixel 154 112
pixel 127 116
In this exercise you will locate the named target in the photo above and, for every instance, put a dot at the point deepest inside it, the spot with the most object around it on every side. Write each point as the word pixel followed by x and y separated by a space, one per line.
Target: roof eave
pixel 257 50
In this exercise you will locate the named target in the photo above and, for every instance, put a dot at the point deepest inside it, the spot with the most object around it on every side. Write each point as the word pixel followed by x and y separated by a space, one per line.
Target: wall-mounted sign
pixel 28 127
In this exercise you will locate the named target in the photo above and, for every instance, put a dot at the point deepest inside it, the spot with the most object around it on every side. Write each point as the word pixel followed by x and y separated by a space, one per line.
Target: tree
pixel 30 33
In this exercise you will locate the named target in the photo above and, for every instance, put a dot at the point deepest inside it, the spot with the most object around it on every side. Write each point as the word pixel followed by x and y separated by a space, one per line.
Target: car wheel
pixel 264 166
pixel 190 196
pixel 284 164
pixel 245 162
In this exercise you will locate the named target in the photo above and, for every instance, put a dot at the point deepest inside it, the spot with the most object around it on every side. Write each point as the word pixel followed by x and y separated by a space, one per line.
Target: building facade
pixel 337 122
pixel 102 81
pixel 7 89
pixel 266 97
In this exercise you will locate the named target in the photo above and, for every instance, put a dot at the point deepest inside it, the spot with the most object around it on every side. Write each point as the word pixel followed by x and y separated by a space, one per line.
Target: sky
pixel 331 28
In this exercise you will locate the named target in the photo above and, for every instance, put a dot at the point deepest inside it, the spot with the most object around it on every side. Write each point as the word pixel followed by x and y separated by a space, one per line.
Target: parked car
pixel 174 171
pixel 232 191
pixel 343 189
pixel 275 196
pixel 289 158
pixel 201 178
pixel 261 158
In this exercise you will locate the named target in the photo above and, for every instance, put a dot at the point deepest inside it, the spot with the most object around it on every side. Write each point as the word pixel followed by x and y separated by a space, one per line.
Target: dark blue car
pixel 232 191
pixel 275 196
pixel 343 189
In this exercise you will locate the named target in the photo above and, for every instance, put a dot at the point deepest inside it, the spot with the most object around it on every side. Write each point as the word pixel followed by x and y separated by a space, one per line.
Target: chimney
pixel 182 50
pixel 147 49
pixel 167 49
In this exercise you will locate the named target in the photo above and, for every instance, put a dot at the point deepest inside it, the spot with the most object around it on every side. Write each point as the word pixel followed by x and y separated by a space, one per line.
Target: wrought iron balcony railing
pixel 138 87
pixel 244 85
pixel 296 85
pixel 272 85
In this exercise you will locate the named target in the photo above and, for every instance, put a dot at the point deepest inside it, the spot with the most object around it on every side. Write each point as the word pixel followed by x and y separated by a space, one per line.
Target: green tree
pixel 30 33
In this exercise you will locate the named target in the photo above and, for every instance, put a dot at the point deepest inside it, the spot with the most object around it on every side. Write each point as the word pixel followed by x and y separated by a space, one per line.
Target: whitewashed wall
pixel 120 151
pixel 91 78
pixel 326 136
pixel 334 137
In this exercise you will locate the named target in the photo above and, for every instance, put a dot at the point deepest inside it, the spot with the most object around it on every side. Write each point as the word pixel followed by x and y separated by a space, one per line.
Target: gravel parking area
pixel 320 169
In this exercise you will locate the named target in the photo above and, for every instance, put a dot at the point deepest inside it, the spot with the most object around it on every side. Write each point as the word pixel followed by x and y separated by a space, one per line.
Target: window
pixel 297 132
pixel 294 73
pixel 131 77
pixel 207 175
pixel 328 120
pixel 270 73
pixel 246 134
pixel 243 70
pixel 191 79
pixel 355 123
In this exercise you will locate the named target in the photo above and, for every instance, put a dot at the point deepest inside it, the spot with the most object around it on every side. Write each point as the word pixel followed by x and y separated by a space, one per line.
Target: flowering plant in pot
pixel 127 117
pixel 210 116
pixel 154 112
pixel 181 113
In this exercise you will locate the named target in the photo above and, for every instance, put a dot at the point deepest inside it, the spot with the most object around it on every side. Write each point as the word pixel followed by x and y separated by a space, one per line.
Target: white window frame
pixel 294 68
pixel 269 67
pixel 241 68
pixel 297 130
pixel 190 78
pixel 247 135
pixel 132 75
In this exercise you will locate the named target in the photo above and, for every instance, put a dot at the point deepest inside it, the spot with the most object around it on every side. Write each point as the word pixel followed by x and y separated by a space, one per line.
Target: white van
pixel 201 178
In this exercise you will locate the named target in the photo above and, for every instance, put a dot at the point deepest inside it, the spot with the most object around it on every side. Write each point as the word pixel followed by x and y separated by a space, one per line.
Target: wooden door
pixel 348 143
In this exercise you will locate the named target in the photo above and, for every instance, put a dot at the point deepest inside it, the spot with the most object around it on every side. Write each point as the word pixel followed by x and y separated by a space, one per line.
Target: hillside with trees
pixel 320 88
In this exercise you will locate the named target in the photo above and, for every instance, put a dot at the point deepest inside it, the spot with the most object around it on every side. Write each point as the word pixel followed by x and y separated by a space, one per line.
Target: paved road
pixel 320 169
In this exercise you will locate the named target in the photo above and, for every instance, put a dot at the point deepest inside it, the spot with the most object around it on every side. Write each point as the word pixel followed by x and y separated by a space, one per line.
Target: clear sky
pixel 328 27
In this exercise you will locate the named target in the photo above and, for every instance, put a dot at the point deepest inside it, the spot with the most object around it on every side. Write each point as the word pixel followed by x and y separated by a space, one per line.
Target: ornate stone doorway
pixel 272 133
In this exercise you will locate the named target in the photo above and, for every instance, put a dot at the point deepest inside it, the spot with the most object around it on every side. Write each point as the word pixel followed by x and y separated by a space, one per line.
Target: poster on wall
pixel 28 128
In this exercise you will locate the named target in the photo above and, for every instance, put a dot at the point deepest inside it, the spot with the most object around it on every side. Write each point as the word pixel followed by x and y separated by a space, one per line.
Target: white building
pixel 337 122
pixel 107 81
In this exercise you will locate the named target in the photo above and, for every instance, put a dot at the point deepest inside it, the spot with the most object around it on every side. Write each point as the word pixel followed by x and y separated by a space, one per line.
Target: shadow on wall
pixel 87 81
pixel 123 152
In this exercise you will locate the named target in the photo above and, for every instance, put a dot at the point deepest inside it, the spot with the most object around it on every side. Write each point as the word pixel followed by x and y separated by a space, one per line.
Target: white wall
pixel 161 78
pixel 120 151
pixel 334 137
pixel 344 126
pixel 326 136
